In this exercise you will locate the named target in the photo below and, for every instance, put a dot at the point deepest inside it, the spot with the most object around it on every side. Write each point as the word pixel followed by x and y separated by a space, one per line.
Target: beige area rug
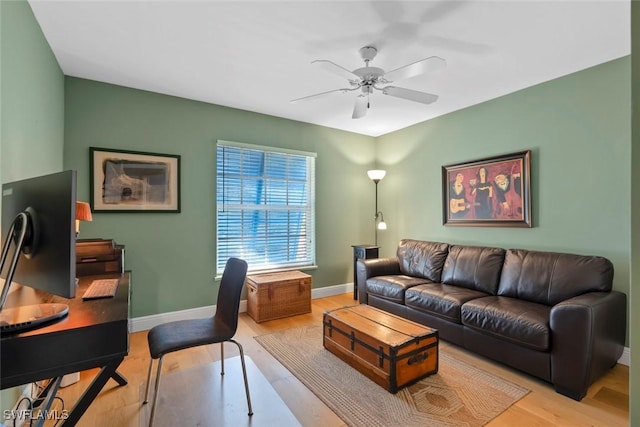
pixel 458 395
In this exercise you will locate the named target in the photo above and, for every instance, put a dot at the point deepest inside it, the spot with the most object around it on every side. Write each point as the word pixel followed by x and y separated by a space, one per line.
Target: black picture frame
pixel 490 192
pixel 133 181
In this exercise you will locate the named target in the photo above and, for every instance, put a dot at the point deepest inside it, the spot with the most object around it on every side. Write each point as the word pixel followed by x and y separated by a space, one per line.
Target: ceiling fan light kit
pixel 366 79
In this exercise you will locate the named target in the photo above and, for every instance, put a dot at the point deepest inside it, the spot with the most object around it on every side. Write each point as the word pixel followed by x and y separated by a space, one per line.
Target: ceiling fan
pixel 367 79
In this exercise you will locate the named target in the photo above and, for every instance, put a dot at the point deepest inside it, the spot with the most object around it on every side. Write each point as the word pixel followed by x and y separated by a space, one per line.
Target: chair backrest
pixel 228 305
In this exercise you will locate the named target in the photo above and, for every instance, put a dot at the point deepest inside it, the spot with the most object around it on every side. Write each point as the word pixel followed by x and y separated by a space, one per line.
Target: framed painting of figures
pixel 490 192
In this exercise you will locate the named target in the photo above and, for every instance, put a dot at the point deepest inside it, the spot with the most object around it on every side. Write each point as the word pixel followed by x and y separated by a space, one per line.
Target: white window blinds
pixel 265 206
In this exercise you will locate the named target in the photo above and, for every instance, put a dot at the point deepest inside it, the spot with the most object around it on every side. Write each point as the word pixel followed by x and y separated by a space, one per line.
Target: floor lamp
pixel 376 176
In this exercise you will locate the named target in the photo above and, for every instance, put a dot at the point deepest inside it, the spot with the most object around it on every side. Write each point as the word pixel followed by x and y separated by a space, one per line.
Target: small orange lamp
pixel 83 213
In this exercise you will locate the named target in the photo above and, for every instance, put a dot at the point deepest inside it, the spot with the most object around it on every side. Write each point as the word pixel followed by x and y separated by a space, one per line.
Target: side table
pixel 361 252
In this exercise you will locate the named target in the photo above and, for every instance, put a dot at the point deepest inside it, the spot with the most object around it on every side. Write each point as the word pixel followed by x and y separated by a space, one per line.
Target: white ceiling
pixel 257 55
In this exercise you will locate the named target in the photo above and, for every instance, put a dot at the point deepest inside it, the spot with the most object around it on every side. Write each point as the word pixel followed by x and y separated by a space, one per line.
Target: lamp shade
pixel 83 211
pixel 376 175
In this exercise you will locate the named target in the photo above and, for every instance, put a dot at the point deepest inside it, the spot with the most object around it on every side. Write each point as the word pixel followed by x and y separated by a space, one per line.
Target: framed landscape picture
pixel 131 181
pixel 491 192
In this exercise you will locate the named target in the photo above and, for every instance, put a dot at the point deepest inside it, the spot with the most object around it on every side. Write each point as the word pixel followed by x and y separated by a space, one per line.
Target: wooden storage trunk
pixel 392 351
pixel 276 295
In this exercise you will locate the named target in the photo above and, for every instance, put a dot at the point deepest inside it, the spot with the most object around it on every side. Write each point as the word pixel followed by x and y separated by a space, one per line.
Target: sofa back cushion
pixel 550 277
pixel 474 267
pixel 422 259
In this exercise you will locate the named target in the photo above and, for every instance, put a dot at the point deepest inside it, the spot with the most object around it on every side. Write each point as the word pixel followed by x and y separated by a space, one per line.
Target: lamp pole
pixel 376 175
pixel 375 218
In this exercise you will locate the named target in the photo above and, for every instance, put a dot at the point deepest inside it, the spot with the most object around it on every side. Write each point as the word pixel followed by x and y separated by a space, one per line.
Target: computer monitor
pixel 44 208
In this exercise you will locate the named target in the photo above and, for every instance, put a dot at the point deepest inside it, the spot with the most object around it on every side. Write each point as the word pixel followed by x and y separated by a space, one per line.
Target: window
pixel 265 206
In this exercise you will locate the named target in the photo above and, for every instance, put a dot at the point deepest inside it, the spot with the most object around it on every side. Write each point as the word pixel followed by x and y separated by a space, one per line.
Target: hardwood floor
pixel 606 404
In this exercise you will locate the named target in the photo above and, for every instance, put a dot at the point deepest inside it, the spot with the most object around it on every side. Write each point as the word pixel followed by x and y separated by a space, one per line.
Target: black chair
pixel 174 336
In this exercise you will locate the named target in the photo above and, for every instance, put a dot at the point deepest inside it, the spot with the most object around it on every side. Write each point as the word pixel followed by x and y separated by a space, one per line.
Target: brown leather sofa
pixel 551 315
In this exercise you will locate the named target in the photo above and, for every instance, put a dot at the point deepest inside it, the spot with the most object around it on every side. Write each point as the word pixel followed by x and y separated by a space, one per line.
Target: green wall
pixel 634 319
pixel 31 107
pixel 578 129
pixel 172 256
pixel 32 87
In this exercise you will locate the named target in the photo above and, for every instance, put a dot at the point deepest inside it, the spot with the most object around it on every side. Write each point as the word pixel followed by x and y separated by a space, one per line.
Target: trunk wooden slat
pixel 391 351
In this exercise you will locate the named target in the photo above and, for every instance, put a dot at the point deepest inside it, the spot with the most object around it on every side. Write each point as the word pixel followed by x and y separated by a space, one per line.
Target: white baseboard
pixel 625 359
pixel 145 323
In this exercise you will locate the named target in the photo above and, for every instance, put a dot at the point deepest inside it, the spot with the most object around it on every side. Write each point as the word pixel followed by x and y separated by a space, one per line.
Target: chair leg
pixel 157 392
pixel 146 395
pixel 222 358
pixel 244 374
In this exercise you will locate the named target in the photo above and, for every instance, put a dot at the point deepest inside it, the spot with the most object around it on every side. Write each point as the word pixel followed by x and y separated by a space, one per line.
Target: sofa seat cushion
pixel 393 287
pixel 440 300
pixel 522 322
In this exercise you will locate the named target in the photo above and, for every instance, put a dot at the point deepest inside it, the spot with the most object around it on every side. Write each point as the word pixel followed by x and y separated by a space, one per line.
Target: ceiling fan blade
pixel 334 68
pixel 411 95
pixel 360 107
pixel 321 94
pixel 432 63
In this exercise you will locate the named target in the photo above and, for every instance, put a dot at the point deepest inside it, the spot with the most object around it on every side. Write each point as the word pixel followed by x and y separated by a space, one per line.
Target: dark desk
pixel 95 334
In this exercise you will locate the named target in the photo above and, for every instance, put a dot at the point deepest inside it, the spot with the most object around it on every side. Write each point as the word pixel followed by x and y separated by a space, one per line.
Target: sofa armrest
pixel 587 338
pixel 366 268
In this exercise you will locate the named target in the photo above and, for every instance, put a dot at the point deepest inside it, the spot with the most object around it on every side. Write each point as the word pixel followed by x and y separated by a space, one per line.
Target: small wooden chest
pixel 275 295
pixel 392 351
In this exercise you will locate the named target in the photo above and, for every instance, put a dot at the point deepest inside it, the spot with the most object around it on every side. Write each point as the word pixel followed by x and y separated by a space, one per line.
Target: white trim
pixel 330 291
pixel 145 323
pixel 625 359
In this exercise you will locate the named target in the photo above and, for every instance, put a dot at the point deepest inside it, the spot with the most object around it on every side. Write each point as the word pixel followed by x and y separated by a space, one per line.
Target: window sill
pixel 277 270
